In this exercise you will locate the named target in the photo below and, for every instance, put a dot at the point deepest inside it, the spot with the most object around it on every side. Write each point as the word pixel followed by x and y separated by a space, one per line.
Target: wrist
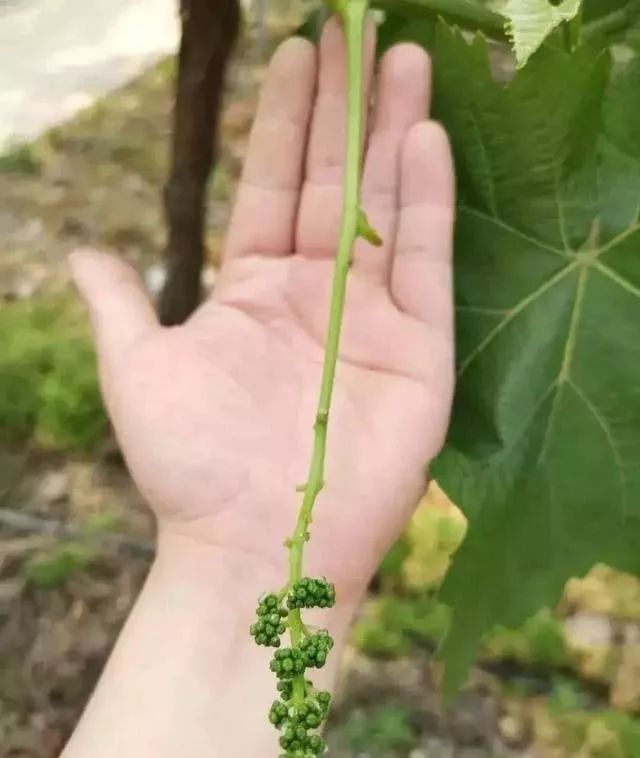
pixel 236 578
pixel 224 573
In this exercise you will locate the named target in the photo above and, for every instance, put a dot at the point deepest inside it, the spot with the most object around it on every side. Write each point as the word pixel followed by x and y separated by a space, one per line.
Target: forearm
pixel 185 677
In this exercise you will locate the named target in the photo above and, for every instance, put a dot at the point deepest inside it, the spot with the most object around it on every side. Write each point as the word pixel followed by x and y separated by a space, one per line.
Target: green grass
pixel 380 732
pixel 22 159
pixel 48 380
pixel 596 734
pixel 392 625
pixel 54 568
pixel 539 642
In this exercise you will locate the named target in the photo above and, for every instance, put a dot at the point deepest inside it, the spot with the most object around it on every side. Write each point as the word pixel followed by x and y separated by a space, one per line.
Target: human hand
pixel 215 417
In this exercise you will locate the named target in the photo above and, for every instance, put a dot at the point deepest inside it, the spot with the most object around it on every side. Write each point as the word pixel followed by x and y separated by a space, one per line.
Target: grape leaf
pixel 529 23
pixel 468 14
pixel 610 14
pixel 603 21
pixel 543 454
pixel 611 22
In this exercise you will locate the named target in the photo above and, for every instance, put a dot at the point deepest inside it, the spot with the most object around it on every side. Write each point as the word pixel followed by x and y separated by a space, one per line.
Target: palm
pixel 216 417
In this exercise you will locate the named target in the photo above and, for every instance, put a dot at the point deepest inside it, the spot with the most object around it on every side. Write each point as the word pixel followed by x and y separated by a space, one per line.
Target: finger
pixel 120 311
pixel 402 100
pixel 321 201
pixel 421 269
pixel 263 220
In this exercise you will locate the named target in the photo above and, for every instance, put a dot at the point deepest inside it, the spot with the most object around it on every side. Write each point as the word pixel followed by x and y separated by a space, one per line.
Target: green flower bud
pixel 313 720
pixel 316 743
pixel 311 593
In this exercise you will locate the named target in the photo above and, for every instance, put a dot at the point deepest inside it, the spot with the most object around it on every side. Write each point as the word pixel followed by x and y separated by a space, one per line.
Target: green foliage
pixel 611 20
pixel 566 696
pixel 393 624
pixel 469 14
pixel 543 455
pixel 529 23
pixel 48 381
pixel 55 567
pixel 381 731
pixel 23 159
pixel 71 414
pixel 607 734
pixel 544 451
pixel 540 642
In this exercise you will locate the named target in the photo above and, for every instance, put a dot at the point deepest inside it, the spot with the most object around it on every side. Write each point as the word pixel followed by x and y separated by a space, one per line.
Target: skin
pixel 215 416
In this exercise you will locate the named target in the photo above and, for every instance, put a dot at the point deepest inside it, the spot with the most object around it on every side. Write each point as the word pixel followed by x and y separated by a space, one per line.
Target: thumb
pixel 120 310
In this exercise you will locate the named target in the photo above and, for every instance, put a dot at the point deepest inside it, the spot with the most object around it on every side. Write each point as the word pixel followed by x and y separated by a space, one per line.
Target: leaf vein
pixel 600 420
pixel 617 240
pixel 564 373
pixel 493 202
pixel 512 313
pixel 512 229
pixel 560 207
pixel 617 278
pixel 526 424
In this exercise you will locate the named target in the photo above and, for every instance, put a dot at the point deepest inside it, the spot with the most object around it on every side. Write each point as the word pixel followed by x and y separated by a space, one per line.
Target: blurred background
pixel 86 103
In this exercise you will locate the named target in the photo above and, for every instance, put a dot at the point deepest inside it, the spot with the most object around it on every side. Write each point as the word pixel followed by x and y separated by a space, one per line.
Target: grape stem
pixel 353 14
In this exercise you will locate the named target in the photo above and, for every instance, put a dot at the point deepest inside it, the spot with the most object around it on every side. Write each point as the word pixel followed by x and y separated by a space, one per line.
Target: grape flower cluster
pixel 312 593
pixel 300 709
pixel 270 623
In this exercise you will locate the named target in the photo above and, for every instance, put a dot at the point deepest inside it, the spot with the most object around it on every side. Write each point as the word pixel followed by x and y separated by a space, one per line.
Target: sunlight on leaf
pixel 529 23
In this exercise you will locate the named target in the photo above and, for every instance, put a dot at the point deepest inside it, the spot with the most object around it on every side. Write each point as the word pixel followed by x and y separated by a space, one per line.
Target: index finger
pixel 263 219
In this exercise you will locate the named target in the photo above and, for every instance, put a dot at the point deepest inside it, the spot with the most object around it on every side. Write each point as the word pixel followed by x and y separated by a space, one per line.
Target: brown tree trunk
pixel 209 32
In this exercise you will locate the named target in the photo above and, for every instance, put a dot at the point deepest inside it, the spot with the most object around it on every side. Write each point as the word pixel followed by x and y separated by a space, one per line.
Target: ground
pixel 76 539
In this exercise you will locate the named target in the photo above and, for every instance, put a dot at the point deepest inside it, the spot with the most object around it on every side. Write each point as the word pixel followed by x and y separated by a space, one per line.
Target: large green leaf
pixel 544 448
pixel 469 14
pixel 603 21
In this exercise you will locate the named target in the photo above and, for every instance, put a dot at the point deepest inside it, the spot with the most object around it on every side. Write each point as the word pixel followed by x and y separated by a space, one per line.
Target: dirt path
pixel 58 56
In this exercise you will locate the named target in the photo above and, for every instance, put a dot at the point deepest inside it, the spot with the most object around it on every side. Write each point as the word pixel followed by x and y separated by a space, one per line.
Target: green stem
pixel 353 15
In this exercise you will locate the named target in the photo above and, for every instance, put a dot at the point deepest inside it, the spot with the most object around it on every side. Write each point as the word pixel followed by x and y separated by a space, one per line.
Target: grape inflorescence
pixel 297 719
pixel 311 593
pixel 301 709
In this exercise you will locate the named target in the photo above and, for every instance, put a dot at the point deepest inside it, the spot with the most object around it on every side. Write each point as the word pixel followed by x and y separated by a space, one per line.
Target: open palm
pixel 215 417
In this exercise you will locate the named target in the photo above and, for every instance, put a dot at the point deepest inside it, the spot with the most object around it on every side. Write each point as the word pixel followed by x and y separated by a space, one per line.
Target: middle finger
pixel 321 200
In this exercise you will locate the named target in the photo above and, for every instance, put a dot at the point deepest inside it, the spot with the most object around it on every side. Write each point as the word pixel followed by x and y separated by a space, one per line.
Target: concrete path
pixel 58 56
